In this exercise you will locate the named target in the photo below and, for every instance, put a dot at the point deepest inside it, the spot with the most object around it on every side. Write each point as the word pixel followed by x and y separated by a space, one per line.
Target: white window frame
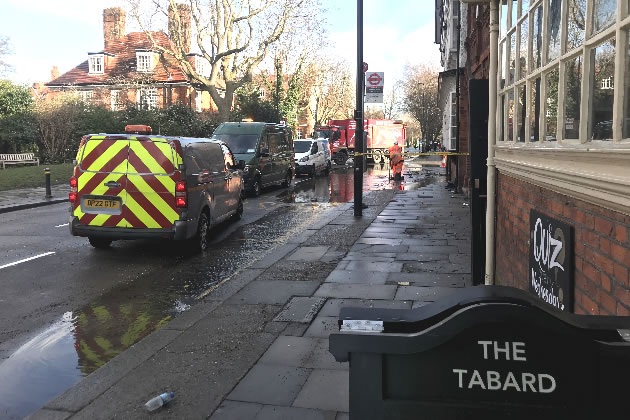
pixel 198 100
pixel 86 96
pixel 147 98
pixel 144 61
pixel 202 66
pixel 593 170
pixel 96 64
pixel 452 121
pixel 115 99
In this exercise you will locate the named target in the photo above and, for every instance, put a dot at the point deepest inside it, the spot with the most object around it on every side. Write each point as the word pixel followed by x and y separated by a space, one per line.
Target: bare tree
pixel 233 36
pixel 5 50
pixel 334 90
pixel 421 99
pixel 392 101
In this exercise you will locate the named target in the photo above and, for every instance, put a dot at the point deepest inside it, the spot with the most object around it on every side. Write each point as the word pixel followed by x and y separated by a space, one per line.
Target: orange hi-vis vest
pixel 396 157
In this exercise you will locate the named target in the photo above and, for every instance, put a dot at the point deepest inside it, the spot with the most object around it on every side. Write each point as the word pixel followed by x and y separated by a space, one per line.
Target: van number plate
pixel 102 204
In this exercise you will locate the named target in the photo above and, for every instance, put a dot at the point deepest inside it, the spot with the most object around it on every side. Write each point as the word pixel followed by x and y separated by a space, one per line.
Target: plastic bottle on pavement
pixel 157 402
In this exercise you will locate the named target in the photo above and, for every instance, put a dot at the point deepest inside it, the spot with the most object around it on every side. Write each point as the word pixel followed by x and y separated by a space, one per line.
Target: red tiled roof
pixel 123 64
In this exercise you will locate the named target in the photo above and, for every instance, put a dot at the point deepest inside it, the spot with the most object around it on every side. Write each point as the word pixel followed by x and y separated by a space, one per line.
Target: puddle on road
pixel 86 339
pixel 338 187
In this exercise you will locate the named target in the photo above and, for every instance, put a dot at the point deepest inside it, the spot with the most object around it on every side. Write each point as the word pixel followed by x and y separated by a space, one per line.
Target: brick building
pixel 559 145
pixel 128 70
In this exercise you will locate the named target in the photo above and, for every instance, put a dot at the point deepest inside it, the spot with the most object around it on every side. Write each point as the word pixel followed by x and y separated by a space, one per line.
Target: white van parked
pixel 312 156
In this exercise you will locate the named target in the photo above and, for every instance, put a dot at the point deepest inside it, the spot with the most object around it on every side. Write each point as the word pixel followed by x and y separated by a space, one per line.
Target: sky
pixel 44 33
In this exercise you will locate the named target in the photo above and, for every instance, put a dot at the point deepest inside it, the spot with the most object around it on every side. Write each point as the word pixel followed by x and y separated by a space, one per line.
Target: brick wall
pixel 601 245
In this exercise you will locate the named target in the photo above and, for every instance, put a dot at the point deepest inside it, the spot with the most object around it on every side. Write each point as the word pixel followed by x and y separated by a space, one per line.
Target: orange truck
pixel 381 135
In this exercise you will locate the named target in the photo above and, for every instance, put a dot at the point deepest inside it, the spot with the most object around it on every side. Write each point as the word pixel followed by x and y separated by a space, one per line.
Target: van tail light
pixel 181 194
pixel 72 196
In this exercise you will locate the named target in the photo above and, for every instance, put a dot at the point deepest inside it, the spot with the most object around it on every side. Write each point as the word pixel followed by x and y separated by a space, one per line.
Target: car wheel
pixel 287 179
pixel 239 210
pixel 200 240
pixel 377 157
pixel 256 188
pixel 99 242
pixel 341 158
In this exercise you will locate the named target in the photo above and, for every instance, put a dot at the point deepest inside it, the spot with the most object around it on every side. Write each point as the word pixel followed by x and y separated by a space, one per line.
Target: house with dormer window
pixel 128 71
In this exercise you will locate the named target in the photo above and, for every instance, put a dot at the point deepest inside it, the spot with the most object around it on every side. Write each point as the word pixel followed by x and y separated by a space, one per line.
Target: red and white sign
pixel 374 83
pixel 374 80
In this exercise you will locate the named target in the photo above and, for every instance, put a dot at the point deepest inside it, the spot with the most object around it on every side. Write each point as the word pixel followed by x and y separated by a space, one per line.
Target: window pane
pixel 503 61
pixel 511 115
pixel 504 15
pixel 604 14
pixel 523 49
pixel 551 111
pixel 520 129
pixel 555 9
pixel 626 108
pixel 534 110
pixel 514 12
pixel 512 58
pixel 572 95
pixel 575 29
pixel 603 57
pixel 502 119
pixel 537 37
pixel 524 7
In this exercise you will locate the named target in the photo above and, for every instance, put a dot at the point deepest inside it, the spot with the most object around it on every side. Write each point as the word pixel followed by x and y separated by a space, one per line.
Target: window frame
pixel 148 55
pixel 593 170
pixel 147 92
pixel 94 62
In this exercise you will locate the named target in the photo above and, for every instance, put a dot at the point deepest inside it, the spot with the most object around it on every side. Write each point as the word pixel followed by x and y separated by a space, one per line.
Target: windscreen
pixel 321 134
pixel 302 146
pixel 239 143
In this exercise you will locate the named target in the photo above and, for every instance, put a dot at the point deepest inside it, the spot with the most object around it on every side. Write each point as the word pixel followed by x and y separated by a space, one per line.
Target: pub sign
pixel 551 260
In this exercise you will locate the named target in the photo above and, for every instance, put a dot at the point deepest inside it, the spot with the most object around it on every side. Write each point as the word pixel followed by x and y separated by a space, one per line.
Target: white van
pixel 312 156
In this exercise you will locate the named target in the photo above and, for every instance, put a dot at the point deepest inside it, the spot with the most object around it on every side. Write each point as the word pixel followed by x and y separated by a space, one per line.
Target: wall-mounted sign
pixel 551 260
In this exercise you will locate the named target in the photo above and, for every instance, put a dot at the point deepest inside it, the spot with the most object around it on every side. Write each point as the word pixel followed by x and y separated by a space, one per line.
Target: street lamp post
pixel 422 112
pixel 358 116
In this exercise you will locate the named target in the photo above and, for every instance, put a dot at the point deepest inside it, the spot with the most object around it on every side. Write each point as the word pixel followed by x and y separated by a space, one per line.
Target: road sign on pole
pixel 374 82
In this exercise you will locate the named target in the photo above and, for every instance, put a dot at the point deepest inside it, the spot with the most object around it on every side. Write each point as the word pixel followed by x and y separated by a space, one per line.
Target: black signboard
pixel 485 352
pixel 551 260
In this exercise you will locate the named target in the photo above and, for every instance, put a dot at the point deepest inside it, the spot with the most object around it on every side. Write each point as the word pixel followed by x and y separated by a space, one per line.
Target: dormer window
pixel 96 63
pixel 202 66
pixel 144 61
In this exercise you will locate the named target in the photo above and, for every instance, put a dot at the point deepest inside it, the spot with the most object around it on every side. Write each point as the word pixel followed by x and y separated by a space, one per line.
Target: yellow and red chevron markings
pixel 147 171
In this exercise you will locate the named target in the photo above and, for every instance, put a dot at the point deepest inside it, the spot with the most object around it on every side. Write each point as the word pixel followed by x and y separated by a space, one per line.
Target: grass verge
pixel 30 176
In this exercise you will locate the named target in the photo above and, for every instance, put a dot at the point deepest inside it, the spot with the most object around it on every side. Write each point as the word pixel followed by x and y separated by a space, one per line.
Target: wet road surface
pixel 150 283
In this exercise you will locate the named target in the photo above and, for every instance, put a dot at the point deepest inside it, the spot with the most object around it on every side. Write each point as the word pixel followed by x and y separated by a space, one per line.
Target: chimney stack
pixel 180 34
pixel 113 25
pixel 54 73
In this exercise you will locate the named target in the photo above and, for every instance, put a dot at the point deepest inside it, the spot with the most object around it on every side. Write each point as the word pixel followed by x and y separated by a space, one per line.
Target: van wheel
pixel 341 158
pixel 99 242
pixel 239 210
pixel 255 191
pixel 287 179
pixel 200 240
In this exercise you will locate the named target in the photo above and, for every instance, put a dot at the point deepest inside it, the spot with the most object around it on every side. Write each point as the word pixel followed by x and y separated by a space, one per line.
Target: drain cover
pixel 300 309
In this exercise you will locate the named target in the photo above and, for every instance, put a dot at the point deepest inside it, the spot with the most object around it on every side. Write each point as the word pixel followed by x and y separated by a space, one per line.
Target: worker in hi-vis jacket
pixel 396 160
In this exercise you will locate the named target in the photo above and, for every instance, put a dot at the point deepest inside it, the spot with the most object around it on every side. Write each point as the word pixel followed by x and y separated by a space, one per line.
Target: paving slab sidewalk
pixel 242 356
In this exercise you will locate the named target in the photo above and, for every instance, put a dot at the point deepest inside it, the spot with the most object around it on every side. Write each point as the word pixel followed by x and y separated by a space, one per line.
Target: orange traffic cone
pixel 443 164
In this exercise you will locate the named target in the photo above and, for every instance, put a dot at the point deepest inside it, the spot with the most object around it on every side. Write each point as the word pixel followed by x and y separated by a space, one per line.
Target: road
pixel 67 308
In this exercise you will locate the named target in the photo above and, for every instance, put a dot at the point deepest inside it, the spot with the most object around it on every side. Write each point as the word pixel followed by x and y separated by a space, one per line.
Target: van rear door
pixel 152 173
pixel 102 181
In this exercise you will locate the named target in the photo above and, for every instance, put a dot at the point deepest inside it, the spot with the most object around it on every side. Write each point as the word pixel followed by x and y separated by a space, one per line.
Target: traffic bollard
pixel 48 192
